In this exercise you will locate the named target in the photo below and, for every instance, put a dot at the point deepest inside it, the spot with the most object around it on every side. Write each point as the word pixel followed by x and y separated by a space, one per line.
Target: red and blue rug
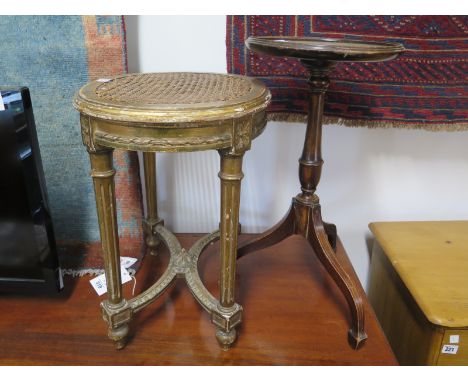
pixel 426 87
pixel 54 56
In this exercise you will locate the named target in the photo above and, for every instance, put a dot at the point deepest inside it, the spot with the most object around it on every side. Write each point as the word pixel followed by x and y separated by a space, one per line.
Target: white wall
pixel 369 174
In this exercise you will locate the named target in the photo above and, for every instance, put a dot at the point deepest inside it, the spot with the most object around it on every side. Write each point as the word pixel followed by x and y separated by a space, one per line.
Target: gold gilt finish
pixel 171 112
pixel 418 287
pixel 152 218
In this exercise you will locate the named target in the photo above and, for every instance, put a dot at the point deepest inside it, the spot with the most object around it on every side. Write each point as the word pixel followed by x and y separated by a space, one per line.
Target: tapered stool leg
pixel 103 173
pixel 231 176
pixel 152 219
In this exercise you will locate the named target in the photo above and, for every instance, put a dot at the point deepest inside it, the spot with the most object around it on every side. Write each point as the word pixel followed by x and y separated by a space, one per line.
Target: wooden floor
pixel 293 315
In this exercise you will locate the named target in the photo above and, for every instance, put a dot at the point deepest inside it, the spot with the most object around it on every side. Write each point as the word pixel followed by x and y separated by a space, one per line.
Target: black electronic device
pixel 28 254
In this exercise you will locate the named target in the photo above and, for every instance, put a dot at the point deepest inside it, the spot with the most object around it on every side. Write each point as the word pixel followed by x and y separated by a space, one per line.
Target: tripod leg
pixel 330 229
pixel 274 235
pixel 318 239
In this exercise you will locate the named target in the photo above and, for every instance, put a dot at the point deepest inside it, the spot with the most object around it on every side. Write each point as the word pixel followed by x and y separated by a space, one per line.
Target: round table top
pixel 327 49
pixel 172 98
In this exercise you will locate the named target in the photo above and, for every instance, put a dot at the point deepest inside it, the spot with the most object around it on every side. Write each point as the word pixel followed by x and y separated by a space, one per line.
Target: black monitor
pixel 28 254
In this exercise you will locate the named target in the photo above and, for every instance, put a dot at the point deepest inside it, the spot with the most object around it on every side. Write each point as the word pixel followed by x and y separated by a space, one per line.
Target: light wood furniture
pixel 171 112
pixel 319 56
pixel 418 287
pixel 276 329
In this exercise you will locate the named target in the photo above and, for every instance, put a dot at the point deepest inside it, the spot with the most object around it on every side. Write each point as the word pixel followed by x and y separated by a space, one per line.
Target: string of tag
pixel 99 283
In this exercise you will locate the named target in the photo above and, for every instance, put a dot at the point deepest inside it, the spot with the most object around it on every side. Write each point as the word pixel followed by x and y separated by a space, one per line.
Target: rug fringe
pixel 297 117
pixel 90 271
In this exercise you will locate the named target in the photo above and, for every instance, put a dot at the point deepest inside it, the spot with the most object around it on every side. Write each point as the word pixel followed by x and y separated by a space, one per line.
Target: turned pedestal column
pixel 304 217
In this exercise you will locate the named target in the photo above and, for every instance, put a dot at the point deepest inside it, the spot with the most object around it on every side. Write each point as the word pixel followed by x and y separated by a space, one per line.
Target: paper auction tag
pixel 127 262
pixel 100 285
pixel 449 349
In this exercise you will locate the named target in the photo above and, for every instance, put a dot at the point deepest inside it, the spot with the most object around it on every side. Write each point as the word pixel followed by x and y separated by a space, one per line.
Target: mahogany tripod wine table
pixel 318 55
pixel 171 112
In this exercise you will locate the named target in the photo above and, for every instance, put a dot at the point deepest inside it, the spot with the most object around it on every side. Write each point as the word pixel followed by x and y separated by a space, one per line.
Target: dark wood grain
pixel 325 49
pixel 318 56
pixel 294 314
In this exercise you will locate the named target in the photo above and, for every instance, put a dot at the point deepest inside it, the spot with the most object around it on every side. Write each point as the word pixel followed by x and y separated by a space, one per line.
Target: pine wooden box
pixel 418 287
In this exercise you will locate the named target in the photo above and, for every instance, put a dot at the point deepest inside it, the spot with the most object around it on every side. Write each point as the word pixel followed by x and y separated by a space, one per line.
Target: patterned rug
pixel 426 87
pixel 54 56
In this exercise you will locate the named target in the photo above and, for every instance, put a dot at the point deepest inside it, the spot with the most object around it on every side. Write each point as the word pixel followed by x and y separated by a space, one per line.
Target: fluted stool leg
pixel 103 174
pixel 231 176
pixel 152 219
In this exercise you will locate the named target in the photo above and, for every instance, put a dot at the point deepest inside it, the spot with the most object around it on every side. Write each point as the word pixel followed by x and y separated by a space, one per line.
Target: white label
pixel 99 283
pixel 449 349
pixel 103 80
pixel 454 339
pixel 2 106
pixel 127 262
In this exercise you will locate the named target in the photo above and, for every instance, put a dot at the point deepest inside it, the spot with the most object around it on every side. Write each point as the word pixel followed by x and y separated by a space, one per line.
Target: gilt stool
pixel 171 112
pixel 318 56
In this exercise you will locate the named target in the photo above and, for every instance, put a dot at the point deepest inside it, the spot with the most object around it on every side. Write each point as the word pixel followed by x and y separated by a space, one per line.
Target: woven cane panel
pixel 174 88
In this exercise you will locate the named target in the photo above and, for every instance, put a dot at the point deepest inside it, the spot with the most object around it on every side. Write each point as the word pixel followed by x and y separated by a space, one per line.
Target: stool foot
pixel 119 336
pixel 152 242
pixel 226 339
pixel 356 340
pixel 152 238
